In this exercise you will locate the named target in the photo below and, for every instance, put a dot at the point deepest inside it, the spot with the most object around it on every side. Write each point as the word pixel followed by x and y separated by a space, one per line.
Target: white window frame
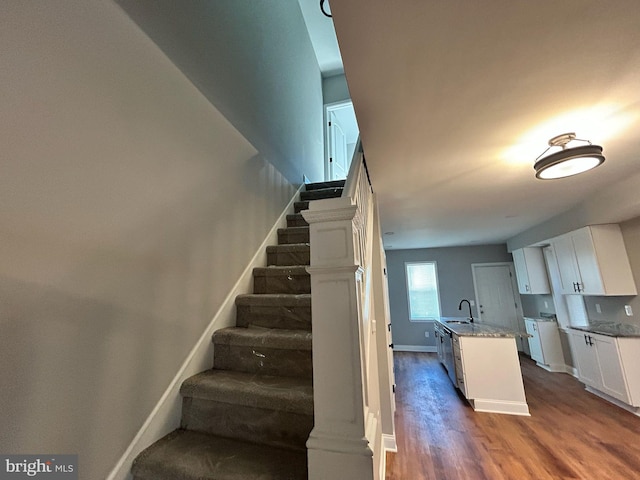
pixel 406 276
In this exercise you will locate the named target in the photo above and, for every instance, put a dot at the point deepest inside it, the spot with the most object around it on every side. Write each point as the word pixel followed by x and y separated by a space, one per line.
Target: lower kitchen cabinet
pixel 608 364
pixel 488 374
pixel 544 344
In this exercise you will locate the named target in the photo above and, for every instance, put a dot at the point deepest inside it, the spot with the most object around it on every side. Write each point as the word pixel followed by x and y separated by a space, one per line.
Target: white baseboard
pixel 389 443
pixel 497 406
pixel 615 401
pixel 571 370
pixel 165 417
pixel 553 368
pixel 414 348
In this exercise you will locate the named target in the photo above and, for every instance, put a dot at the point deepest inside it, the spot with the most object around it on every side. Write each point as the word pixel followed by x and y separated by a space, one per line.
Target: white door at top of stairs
pixel 341 137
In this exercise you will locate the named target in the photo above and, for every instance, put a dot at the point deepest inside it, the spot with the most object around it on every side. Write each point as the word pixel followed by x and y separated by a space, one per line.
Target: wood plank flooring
pixel 571 433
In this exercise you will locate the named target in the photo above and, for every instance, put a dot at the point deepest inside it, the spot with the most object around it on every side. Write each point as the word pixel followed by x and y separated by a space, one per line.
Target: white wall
pixel 129 206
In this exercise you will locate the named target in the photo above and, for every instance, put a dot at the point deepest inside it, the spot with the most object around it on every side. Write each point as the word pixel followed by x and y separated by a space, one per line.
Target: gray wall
pixel 455 282
pixel 612 308
pixel 335 89
pixel 129 205
pixel 254 61
pixel 532 305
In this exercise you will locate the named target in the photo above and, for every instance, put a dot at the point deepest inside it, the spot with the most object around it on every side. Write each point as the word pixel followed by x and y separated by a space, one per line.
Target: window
pixel 422 290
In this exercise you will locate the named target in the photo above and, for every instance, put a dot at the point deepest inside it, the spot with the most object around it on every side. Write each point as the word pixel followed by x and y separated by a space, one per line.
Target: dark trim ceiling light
pixel 568 161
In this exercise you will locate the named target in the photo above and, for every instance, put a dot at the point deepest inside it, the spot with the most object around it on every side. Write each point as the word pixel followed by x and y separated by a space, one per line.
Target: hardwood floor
pixel 571 433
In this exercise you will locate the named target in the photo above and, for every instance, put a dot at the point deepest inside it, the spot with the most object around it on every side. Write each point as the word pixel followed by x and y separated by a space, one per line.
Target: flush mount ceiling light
pixel 568 161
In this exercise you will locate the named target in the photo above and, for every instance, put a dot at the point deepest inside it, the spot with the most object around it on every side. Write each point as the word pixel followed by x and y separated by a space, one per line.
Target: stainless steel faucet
pixel 468 303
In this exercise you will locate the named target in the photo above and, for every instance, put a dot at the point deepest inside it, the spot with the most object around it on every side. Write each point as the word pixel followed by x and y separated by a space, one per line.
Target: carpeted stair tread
pixel 288 311
pixel 319 194
pixel 187 455
pixel 289 394
pixel 264 337
pixel 274 299
pixel 300 206
pixel 289 247
pixel 267 351
pixel 281 279
pixel 296 220
pixel 289 254
pixel 293 235
pixel 275 270
pixel 322 185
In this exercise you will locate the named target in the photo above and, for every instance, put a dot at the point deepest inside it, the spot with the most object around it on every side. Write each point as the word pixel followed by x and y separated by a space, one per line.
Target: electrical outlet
pixel 426 334
pixel 628 311
pixel 472 302
pixel 546 304
pixel 598 309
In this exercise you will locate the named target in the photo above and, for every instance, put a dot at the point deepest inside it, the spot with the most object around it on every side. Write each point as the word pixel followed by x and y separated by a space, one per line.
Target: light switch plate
pixel 628 311
pixel 598 309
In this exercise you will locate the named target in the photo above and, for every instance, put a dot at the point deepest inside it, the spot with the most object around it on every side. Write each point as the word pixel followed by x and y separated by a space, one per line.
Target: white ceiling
pixel 456 99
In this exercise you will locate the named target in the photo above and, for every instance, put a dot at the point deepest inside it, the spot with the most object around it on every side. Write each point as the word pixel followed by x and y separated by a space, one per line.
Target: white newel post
pixel 337 447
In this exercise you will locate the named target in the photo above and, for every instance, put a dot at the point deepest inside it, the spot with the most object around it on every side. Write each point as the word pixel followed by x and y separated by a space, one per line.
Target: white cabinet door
pixel 567 264
pixel 585 358
pixel 593 261
pixel 535 347
pixel 613 380
pixel 522 275
pixel 589 279
pixel 531 271
pixel 599 363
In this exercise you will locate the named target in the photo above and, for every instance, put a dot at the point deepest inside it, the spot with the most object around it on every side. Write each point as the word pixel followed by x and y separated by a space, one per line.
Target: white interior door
pixel 498 299
pixel 338 161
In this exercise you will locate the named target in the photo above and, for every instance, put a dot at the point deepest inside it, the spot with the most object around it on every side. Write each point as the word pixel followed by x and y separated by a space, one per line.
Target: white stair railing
pixel 352 370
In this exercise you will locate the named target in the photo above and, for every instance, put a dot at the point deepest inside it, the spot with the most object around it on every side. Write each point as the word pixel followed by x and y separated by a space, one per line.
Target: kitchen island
pixel 482 362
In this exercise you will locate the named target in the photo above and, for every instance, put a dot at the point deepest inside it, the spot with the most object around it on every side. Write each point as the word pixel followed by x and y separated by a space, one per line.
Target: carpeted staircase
pixel 249 417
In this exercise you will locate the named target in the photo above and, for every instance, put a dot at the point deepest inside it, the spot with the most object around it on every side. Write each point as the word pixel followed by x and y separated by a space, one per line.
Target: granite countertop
pixel 477 329
pixel 610 329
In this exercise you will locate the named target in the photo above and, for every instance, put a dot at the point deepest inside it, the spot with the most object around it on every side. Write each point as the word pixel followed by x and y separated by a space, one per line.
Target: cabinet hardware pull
pixel 586 342
pixel 391 345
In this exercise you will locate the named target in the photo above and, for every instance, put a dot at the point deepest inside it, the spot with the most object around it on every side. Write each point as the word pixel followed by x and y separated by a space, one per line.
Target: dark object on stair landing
pixel 249 417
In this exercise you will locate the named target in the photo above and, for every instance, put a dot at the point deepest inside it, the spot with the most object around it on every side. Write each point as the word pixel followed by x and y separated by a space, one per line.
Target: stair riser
pixel 256 425
pixel 266 361
pixel 289 236
pixel 320 194
pixel 319 185
pixel 284 259
pixel 300 206
pixel 296 220
pixel 291 318
pixel 292 283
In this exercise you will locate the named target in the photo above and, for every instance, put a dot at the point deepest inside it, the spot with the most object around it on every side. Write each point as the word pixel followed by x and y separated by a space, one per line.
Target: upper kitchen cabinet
pixel 531 271
pixel 593 261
